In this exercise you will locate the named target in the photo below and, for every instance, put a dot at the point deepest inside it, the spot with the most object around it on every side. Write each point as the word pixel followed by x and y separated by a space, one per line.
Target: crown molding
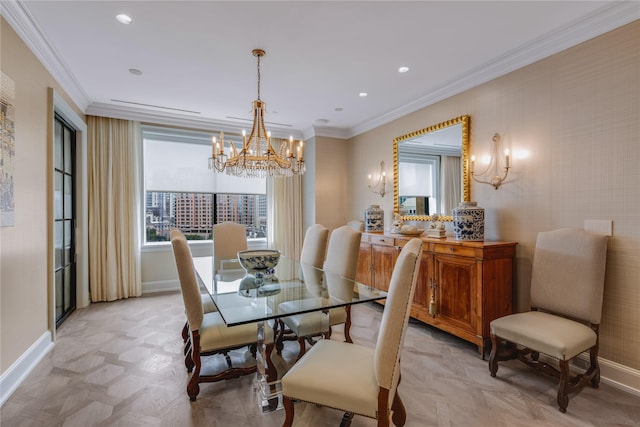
pixel 326 131
pixel 24 25
pixel 607 18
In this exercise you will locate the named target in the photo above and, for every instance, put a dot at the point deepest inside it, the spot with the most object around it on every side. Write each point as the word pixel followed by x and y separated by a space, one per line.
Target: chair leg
pixel 346 419
pixel 347 326
pixel 303 347
pixel 278 334
pixel 595 367
pixel 383 407
pixel 289 411
pixel 185 332
pixel 399 416
pixel 563 399
pixel 493 359
pixel 193 388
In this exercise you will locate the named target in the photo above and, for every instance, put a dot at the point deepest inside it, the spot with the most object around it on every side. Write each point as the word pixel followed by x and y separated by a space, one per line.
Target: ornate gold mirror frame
pixel 464 121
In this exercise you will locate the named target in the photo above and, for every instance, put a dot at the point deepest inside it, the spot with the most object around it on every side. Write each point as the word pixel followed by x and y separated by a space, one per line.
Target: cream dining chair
pixel 229 238
pixel 356 379
pixel 314 247
pixel 209 335
pixel 567 282
pixel 341 260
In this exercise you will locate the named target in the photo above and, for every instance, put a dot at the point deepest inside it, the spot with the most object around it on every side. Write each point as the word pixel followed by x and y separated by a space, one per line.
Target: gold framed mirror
pixel 431 170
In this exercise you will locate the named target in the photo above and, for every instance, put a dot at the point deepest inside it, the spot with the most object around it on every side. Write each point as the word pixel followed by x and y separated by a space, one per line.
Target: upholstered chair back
pixel 188 282
pixel 395 316
pixel 567 275
pixel 228 239
pixel 342 252
pixel 314 245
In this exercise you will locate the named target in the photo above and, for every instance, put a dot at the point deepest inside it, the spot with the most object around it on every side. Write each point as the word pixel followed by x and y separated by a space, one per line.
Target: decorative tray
pixel 412 232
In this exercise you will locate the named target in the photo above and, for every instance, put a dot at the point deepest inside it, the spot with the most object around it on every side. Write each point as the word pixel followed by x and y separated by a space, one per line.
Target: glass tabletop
pixel 291 288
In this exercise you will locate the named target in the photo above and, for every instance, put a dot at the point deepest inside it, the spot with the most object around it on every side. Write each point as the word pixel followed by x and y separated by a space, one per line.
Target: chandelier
pixel 257 158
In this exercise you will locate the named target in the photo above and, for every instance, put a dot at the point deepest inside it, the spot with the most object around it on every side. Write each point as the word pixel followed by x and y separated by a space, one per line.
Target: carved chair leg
pixel 228 359
pixel 193 388
pixel 278 334
pixel 289 411
pixel 383 408
pixel 185 332
pixel 563 399
pixel 347 326
pixel 272 372
pixel 346 419
pixel 595 367
pixel 303 347
pixel 493 356
pixel 188 361
pixel 399 416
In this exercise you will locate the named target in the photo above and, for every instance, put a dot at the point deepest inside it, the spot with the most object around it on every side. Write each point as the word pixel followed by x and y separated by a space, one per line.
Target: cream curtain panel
pixel 451 174
pixel 284 199
pixel 114 151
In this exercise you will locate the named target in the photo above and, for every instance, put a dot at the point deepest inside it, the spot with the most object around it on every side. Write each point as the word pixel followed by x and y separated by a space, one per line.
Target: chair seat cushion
pixel 350 385
pixel 216 335
pixel 546 333
pixel 208 306
pixel 308 324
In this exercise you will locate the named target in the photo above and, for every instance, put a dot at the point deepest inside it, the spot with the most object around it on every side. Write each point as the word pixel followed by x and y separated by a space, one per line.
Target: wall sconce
pixel 380 185
pixel 496 180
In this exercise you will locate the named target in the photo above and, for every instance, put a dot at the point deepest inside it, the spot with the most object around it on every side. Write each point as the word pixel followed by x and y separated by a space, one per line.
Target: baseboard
pixel 160 286
pixel 619 376
pixel 611 373
pixel 18 371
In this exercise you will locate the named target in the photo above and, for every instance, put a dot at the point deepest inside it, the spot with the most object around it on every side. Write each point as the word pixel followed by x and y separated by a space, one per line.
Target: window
pixel 181 192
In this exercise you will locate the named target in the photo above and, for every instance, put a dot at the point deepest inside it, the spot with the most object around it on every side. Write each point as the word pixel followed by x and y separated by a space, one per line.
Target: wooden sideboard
pixel 467 284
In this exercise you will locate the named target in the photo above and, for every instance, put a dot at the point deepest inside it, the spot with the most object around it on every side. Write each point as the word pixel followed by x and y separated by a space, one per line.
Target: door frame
pixel 64 110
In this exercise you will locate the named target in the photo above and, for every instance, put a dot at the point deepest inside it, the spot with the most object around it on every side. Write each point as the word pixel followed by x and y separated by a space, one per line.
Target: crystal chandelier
pixel 257 158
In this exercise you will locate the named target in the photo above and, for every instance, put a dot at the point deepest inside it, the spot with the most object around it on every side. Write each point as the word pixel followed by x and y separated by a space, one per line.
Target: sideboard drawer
pixel 381 240
pixel 455 250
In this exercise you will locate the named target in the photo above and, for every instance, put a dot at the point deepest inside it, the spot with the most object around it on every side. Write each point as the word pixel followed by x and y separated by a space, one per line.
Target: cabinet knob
pixel 450 248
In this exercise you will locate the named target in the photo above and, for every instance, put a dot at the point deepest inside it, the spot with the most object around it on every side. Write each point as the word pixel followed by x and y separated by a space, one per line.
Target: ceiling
pixel 198 70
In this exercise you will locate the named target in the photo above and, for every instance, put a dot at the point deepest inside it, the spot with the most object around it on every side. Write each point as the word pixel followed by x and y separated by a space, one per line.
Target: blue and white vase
pixel 468 222
pixel 374 219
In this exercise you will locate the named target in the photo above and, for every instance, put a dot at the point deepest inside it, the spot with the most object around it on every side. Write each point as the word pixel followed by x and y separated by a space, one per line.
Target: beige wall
pixel 331 191
pixel 24 248
pixel 577 114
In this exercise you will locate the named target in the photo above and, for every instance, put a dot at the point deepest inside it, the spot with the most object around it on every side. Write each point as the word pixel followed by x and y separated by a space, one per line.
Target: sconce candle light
pixel 494 164
pixel 380 186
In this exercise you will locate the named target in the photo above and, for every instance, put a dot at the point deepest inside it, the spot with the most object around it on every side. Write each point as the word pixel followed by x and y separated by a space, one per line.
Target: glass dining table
pixel 262 297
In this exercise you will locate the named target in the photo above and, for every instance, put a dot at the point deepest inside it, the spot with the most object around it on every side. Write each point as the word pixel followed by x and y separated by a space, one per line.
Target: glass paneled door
pixel 64 220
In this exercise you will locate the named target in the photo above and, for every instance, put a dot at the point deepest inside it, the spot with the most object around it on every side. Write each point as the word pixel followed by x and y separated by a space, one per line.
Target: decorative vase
pixel 468 221
pixel 374 219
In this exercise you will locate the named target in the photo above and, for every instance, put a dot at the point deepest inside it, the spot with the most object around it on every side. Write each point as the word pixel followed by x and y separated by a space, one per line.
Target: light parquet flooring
pixel 121 364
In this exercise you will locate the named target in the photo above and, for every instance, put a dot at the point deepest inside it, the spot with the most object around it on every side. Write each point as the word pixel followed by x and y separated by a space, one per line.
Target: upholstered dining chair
pixel 209 334
pixel 353 378
pixel 341 260
pixel 567 282
pixel 229 238
pixel 314 247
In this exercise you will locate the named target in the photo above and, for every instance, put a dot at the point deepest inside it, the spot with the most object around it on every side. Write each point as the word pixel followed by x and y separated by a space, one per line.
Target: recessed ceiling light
pixel 362 94
pixel 124 19
pixel 135 71
pixel 403 69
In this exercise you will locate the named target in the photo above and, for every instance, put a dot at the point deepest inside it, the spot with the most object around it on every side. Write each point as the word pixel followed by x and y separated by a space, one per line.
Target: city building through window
pixel 181 192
